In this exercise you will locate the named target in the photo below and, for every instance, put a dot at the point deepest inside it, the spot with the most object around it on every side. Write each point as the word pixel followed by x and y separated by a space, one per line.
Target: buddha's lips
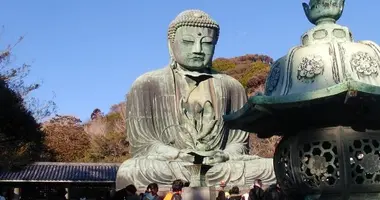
pixel 198 58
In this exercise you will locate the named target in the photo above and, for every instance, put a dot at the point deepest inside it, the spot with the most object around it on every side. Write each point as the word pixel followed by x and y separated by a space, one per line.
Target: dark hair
pixel 234 190
pixel 273 193
pixel 177 185
pixel 221 195
pixel 131 188
pixel 186 184
pixel 152 186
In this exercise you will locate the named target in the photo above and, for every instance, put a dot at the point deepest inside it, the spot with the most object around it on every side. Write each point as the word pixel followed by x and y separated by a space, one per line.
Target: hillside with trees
pixel 102 138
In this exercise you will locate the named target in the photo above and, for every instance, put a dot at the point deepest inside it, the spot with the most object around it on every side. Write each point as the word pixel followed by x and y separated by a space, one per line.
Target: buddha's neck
pixel 184 70
pixel 193 78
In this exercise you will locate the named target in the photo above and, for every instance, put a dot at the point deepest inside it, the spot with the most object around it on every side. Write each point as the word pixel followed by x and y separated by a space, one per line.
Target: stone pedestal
pixel 199 193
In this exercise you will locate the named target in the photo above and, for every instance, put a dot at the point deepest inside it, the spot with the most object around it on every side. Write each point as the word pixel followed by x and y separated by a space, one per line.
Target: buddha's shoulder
pixel 152 76
pixel 229 80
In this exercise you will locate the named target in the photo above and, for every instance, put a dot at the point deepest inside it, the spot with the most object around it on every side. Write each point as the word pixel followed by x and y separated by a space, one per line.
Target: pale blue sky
pixel 88 52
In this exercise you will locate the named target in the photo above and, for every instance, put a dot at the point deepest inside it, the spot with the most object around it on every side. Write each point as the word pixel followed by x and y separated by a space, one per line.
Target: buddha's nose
pixel 197 47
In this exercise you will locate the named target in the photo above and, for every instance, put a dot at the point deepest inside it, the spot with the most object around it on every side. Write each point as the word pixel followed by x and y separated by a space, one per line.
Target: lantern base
pixel 329 163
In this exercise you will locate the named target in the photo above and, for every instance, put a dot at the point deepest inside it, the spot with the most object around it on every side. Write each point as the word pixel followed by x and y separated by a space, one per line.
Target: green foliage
pixel 223 64
pixel 21 140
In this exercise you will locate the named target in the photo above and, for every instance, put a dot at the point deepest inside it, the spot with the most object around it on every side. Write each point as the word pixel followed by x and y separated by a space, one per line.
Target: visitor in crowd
pixel 151 192
pixel 2 195
pixel 127 193
pixel 227 194
pixel 257 192
pixel 245 196
pixel 221 195
pixel 274 192
pixel 176 193
pixel 235 193
pixel 131 193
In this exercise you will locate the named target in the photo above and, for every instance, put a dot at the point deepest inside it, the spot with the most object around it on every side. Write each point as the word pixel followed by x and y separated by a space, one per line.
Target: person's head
pixel 222 184
pixel 177 185
pixel 152 188
pixel 221 195
pixel 130 190
pixel 192 37
pixel 271 194
pixel 235 190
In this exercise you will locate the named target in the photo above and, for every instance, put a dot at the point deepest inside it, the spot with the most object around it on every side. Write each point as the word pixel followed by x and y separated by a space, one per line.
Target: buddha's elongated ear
pixel 173 63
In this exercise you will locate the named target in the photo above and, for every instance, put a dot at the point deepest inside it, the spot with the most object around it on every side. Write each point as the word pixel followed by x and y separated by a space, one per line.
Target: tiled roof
pixel 63 172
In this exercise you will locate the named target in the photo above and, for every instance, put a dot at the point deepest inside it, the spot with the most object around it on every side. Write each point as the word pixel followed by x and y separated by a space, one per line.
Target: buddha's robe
pixel 158 105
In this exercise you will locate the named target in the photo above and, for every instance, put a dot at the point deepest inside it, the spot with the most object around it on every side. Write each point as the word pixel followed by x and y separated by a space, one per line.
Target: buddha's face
pixel 193 47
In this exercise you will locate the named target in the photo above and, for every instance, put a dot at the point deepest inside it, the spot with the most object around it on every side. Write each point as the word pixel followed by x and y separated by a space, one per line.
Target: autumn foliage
pixel 107 136
pixel 101 139
pixel 250 70
pixel 66 138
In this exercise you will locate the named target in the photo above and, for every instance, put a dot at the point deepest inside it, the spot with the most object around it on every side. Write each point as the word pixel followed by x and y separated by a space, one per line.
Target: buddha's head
pixel 192 37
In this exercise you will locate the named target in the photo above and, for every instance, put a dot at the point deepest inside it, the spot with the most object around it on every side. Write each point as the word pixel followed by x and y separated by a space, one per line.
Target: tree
pixel 111 147
pixel 21 140
pixel 97 113
pixel 223 64
pixel 263 147
pixel 15 77
pixel 66 138
pixel 108 142
pixel 250 70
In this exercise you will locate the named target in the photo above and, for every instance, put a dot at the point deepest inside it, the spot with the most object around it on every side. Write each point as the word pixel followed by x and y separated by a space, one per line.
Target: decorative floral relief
pixel 364 64
pixel 317 165
pixel 310 67
pixel 371 163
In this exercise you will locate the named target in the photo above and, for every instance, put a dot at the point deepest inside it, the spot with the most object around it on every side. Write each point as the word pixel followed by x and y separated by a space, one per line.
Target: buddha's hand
pixel 185 156
pixel 218 157
pixel 169 153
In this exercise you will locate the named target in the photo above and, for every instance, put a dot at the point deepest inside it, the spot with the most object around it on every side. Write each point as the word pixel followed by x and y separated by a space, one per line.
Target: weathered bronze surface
pixel 323 97
pixel 177 110
pixel 328 80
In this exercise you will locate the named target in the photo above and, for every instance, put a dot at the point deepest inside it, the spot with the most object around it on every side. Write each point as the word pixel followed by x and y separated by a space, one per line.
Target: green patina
pixel 327 65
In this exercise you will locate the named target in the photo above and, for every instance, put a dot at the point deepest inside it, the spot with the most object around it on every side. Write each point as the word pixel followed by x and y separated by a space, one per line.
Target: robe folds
pixel 156 133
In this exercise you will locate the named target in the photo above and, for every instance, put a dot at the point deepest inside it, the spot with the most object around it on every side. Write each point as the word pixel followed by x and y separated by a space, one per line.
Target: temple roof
pixel 63 172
